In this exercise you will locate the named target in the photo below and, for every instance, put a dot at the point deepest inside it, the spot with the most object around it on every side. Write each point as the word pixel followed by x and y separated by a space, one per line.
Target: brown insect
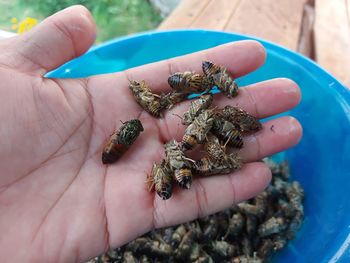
pixel 189 82
pixel 161 180
pixel 214 149
pixel 219 76
pixel 179 164
pixel 149 101
pixel 168 100
pixel 121 140
pixel 206 166
pixel 271 226
pixel 196 107
pixel 227 132
pixel 258 208
pixel 196 132
pixel 246 123
pixel 235 226
pixel 143 245
pixel 223 249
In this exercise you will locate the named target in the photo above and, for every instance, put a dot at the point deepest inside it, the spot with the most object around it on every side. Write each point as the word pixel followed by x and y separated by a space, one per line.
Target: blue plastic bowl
pixel 321 160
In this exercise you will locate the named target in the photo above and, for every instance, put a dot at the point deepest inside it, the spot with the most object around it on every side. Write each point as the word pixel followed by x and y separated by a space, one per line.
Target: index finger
pixel 239 57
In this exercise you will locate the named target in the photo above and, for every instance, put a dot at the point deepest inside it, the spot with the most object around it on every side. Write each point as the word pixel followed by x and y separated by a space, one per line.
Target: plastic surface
pixel 320 162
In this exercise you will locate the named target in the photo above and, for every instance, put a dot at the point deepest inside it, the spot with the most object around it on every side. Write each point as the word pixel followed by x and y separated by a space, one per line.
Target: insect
pixel 121 140
pixel 227 132
pixel 265 248
pixel 179 164
pixel 247 259
pixel 196 107
pixel 213 148
pixel 178 234
pixel 143 245
pixel 196 132
pixel 185 245
pixel 222 249
pixel 161 180
pixel 246 123
pixel 206 166
pixel 168 100
pixel 235 225
pixel 258 209
pixel 149 101
pixel 271 226
pixel 218 76
pixel 129 257
pixel 189 82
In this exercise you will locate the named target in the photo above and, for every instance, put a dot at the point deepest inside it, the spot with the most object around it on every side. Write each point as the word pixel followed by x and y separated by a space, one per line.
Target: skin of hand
pixel 58 202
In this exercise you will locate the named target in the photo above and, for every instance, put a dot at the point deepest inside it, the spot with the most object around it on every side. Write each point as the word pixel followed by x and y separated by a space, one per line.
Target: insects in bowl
pixel 120 141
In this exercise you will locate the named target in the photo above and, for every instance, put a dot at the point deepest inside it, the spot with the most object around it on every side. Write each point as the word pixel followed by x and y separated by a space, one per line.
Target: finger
pixel 211 194
pixel 262 100
pixel 58 39
pixel 239 57
pixel 277 135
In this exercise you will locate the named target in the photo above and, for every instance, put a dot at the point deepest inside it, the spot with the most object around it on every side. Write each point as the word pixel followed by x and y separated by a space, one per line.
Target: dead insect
pixel 251 225
pixel 222 249
pixel 121 140
pixel 219 76
pixel 168 100
pixel 258 208
pixel 247 246
pixel 240 118
pixel 247 259
pixel 265 248
pixel 143 245
pixel 235 225
pixel 206 166
pixel 271 226
pixel 179 164
pixel 210 230
pixel 128 257
pixel 197 131
pixel 214 149
pixel 161 180
pixel 279 241
pixel 189 82
pixel 227 132
pixel 149 101
pixel 184 248
pixel 196 107
pixel 178 234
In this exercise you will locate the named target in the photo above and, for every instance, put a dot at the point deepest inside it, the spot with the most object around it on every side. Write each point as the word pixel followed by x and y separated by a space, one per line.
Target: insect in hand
pixel 197 131
pixel 227 132
pixel 179 164
pixel 214 149
pixel 189 82
pixel 196 107
pixel 246 123
pixel 149 101
pixel 218 76
pixel 121 140
pixel 206 166
pixel 168 100
pixel 161 180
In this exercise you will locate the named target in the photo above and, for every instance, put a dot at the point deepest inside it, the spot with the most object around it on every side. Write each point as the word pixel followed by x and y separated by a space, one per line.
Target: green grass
pixel 113 17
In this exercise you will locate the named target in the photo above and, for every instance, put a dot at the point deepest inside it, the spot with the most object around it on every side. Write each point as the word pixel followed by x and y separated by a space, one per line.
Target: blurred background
pixel 113 17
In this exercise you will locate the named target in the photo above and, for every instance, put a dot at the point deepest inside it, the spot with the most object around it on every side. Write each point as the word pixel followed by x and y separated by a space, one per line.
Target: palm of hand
pixel 60 203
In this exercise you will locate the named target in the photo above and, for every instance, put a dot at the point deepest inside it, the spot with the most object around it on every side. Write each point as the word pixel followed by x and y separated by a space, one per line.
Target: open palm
pixel 58 201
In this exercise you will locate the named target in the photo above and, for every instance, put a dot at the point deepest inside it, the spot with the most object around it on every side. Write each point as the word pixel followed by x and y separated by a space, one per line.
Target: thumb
pixel 58 39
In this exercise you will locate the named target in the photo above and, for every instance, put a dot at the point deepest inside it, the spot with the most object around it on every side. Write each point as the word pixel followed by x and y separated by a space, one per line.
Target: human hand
pixel 58 201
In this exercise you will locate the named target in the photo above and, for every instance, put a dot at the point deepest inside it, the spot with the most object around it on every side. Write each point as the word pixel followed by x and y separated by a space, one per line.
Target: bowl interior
pixel 319 162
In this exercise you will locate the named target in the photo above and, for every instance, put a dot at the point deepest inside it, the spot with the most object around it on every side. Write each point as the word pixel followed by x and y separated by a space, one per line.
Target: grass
pixel 113 17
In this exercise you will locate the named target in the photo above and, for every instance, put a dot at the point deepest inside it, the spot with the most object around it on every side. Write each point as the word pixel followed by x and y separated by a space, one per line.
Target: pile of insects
pixel 215 129
pixel 249 232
